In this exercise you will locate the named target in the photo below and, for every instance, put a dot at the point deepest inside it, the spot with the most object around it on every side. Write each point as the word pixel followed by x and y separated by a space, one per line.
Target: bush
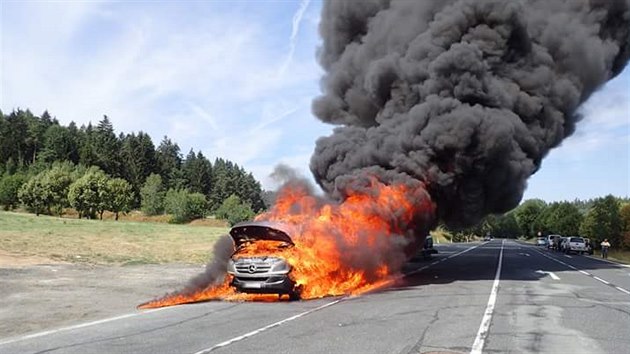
pixel 234 211
pixel 185 206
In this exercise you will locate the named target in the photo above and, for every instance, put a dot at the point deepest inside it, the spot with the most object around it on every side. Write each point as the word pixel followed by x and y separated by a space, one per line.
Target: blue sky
pixel 235 79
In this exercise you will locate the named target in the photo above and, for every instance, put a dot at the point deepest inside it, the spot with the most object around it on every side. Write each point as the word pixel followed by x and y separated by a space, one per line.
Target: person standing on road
pixel 605 245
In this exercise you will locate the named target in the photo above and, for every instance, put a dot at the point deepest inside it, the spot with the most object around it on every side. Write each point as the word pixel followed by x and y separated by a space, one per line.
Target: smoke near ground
pixel 214 274
pixel 465 96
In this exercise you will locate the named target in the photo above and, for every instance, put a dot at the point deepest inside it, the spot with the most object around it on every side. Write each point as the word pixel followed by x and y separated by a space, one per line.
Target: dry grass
pixel 106 242
pixel 440 235
pixel 619 256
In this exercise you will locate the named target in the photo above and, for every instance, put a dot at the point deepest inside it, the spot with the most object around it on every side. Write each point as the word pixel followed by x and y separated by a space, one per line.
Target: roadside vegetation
pixel 88 171
pixel 598 219
pixel 106 242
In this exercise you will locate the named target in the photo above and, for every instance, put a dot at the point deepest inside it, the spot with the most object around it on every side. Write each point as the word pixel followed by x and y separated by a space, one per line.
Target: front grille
pixel 253 268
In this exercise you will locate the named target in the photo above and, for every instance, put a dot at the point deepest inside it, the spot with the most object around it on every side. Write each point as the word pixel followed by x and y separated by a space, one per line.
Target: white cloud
pixel 297 19
pixel 605 123
pixel 209 82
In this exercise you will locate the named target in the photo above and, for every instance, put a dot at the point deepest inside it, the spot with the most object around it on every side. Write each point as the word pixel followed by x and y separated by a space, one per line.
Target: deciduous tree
pixel 603 221
pixel 9 188
pixel 88 195
pixel 152 195
pixel 120 196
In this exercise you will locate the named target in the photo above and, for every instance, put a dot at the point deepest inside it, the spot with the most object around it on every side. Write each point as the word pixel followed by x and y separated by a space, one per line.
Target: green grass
pixel 106 242
pixel 620 256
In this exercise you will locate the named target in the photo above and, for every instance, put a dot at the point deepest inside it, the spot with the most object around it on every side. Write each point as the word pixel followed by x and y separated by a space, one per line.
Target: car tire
pixel 296 294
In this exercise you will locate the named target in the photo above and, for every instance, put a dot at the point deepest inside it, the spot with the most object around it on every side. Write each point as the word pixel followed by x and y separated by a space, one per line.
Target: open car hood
pixel 249 231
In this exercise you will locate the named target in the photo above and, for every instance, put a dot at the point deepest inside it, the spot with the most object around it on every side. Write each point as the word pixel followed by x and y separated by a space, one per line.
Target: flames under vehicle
pixel 261 270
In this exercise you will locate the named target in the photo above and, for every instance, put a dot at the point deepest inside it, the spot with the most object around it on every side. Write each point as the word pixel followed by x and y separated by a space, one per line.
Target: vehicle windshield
pixel 261 248
pixel 577 239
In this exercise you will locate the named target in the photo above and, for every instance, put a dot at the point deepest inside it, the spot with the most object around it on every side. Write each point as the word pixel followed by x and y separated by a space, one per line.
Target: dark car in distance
pixel 427 247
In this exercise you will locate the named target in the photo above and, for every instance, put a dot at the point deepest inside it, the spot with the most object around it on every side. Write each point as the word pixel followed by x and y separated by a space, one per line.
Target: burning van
pixel 259 264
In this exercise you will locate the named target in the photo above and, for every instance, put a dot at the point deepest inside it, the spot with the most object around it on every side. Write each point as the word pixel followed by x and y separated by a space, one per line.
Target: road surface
pixel 500 296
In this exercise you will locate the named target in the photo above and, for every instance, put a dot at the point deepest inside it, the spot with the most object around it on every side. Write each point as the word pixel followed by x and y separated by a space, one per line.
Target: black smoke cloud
pixel 466 96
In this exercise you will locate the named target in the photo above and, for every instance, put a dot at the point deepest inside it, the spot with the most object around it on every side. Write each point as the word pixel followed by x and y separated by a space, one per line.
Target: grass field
pixel 106 242
pixel 620 256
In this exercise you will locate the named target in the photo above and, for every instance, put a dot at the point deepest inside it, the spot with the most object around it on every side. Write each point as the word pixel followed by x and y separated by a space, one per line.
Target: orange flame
pixel 346 248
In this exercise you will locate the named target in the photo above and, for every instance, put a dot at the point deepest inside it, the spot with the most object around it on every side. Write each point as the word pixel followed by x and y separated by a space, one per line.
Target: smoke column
pixel 465 96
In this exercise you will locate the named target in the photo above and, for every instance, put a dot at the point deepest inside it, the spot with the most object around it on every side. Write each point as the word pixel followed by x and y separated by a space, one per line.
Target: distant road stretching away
pixel 499 296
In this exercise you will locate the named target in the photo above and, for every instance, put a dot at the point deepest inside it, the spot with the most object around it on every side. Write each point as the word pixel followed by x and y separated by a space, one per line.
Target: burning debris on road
pixel 444 109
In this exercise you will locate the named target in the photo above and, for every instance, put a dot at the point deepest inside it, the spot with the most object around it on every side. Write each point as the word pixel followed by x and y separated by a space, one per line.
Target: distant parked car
pixel 427 248
pixel 541 241
pixel 553 242
pixel 589 246
pixel 575 244
pixel 487 238
pixel 562 243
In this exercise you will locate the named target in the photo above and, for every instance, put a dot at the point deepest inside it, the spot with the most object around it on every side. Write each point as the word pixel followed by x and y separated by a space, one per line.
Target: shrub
pixel 152 195
pixel 185 206
pixel 234 211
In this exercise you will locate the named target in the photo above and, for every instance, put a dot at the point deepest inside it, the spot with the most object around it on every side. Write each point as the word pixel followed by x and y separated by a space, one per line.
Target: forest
pixel 47 167
pixel 601 218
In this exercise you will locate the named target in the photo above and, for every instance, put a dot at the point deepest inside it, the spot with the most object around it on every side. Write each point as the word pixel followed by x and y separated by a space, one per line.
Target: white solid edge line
pixel 276 324
pixel 607 261
pixel 482 334
pixel 77 326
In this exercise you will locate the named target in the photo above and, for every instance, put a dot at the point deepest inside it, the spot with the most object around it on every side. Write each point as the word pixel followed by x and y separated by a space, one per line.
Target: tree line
pixel 47 167
pixel 598 219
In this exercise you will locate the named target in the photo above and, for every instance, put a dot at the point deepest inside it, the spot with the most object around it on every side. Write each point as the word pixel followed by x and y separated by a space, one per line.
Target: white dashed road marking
pixel 289 319
pixel 586 273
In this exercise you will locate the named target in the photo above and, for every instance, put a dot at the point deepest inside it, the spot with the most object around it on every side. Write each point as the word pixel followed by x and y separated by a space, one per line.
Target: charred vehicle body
pixel 257 264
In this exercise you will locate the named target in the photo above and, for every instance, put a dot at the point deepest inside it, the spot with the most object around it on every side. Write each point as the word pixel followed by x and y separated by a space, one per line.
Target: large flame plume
pixel 340 248
pixel 462 97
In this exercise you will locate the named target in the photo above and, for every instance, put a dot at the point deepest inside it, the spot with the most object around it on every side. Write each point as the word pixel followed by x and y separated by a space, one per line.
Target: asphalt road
pixel 459 301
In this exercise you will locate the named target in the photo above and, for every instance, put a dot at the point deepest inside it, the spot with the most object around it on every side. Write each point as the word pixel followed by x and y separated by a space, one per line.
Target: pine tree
pixel 198 173
pixel 138 157
pixel 220 181
pixel 106 146
pixel 87 152
pixel 169 161
pixel 59 144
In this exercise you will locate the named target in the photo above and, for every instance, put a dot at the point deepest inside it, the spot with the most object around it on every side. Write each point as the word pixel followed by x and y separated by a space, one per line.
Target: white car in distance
pixel 575 244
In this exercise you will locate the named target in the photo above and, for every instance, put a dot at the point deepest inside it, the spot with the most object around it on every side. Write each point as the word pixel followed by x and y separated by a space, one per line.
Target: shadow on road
pixel 521 262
